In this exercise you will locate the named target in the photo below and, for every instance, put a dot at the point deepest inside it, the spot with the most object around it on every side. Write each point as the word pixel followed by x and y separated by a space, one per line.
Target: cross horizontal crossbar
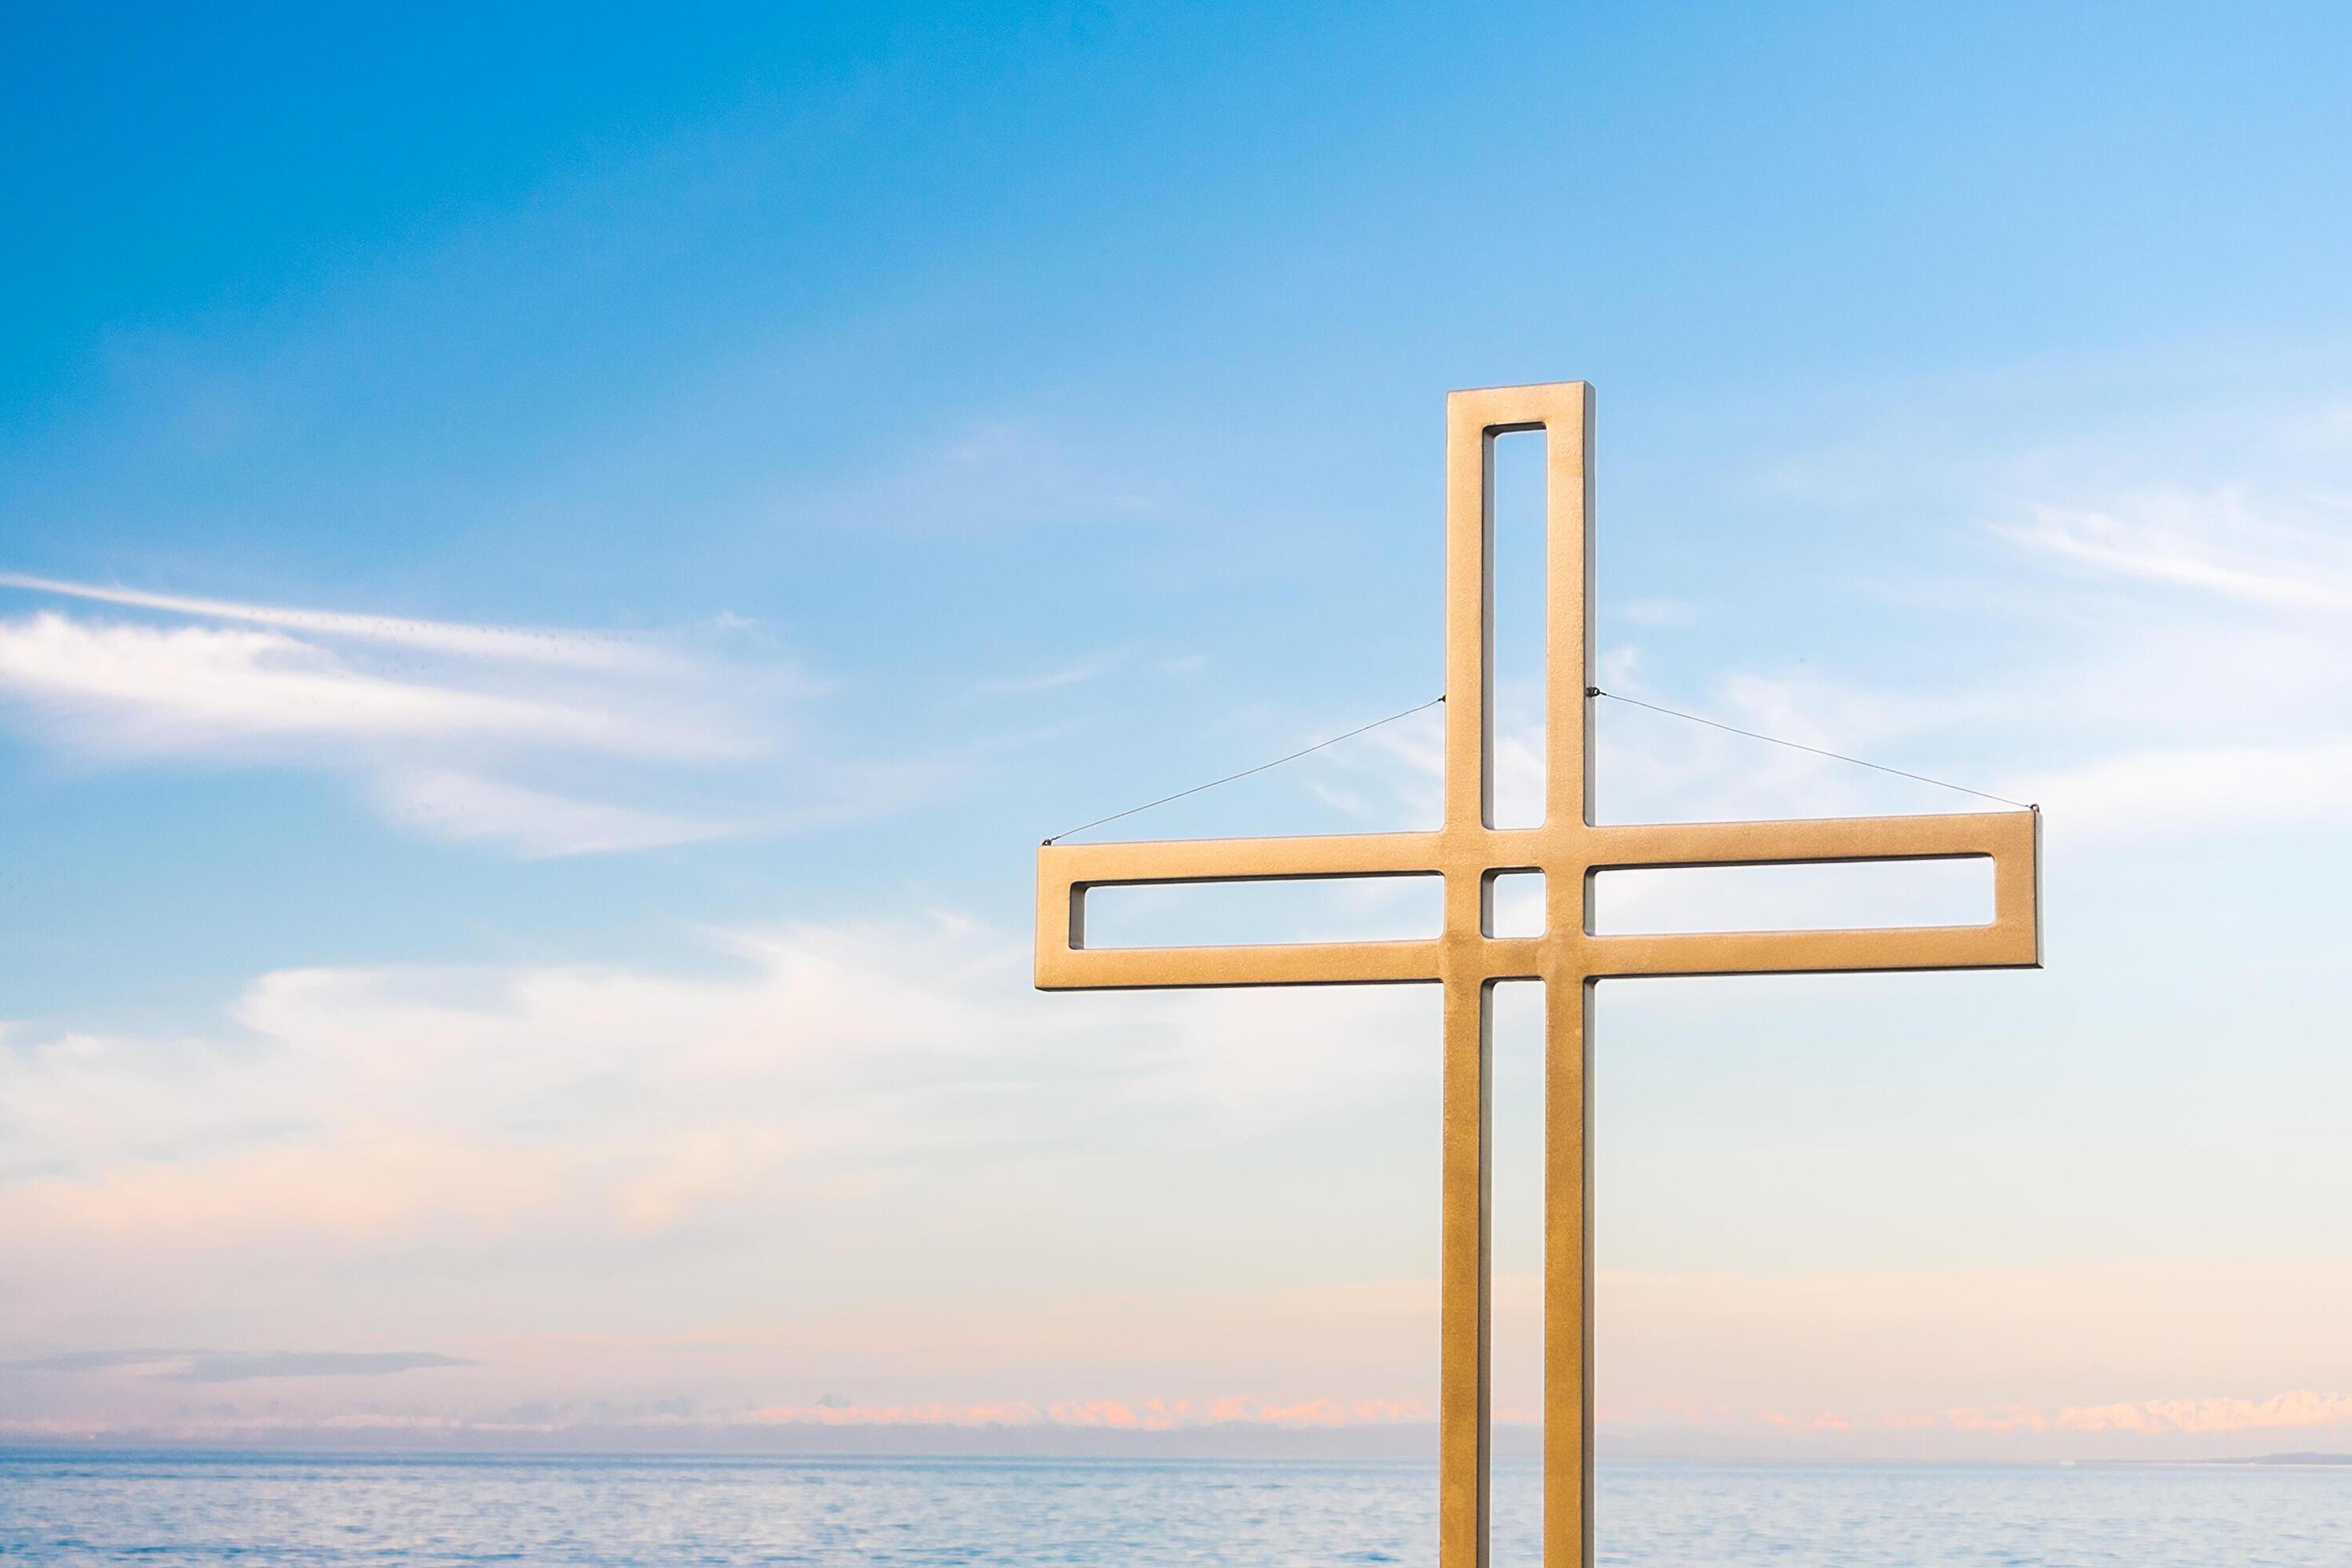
pixel 1567 856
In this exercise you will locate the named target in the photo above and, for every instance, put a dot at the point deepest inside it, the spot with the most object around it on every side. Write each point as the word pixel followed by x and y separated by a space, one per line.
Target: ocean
pixel 162 1508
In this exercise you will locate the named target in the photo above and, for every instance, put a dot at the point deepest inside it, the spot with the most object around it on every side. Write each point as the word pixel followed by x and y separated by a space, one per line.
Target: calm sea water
pixel 156 1508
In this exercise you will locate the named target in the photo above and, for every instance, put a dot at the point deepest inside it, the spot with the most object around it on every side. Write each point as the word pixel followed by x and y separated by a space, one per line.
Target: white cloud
pixel 519 1139
pixel 2213 789
pixel 352 1100
pixel 2211 696
pixel 1653 767
pixel 862 1117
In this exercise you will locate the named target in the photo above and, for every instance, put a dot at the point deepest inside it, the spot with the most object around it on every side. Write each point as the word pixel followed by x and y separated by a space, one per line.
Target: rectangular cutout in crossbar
pixel 1855 895
pixel 1259 911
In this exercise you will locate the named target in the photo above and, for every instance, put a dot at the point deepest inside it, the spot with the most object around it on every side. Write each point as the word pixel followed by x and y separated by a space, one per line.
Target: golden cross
pixel 1467 959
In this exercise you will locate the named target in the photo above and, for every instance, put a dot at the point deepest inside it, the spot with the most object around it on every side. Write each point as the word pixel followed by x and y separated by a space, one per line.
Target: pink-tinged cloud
pixel 2299 1408
pixel 1092 1413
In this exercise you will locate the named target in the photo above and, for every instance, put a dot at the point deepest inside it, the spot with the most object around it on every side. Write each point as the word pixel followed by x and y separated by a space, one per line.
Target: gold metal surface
pixel 1569 848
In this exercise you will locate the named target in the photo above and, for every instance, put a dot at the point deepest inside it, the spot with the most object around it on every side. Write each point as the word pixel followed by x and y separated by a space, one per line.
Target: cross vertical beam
pixel 1467 850
pixel 1473 421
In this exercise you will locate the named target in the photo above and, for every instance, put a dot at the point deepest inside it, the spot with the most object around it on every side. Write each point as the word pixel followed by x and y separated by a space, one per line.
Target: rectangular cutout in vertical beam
pixel 1516 1042
pixel 1516 496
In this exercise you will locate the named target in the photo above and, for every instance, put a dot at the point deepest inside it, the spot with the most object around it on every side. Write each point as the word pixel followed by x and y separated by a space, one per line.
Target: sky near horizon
pixel 554 568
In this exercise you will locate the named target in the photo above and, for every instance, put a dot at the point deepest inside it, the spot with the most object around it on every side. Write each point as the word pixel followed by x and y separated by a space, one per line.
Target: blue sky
pixel 560 564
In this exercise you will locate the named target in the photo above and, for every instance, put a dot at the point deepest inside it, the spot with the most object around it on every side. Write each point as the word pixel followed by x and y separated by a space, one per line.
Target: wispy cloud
pixel 134 690
pixel 1076 674
pixel 532 822
pixel 996 473
pixel 2287 551
pixel 2186 663
pixel 516 739
pixel 527 645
